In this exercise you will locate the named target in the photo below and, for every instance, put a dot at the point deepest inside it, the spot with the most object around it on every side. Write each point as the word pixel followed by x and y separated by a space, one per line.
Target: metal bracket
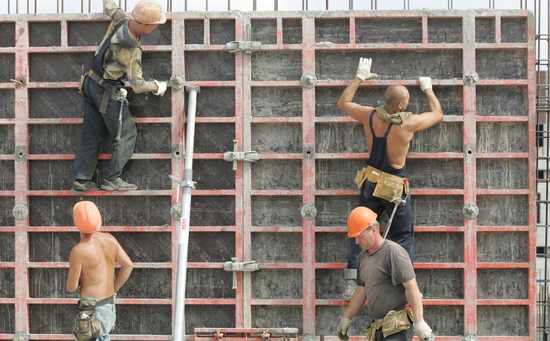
pixel 177 82
pixel 235 156
pixel 309 212
pixel 240 266
pixel 472 78
pixel 20 211
pixel 246 45
pixel 181 184
pixel 470 211
pixel 309 80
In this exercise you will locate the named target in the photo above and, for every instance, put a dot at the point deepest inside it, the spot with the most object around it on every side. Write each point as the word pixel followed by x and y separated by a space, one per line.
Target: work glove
pixel 123 92
pixel 162 86
pixel 425 83
pixel 423 331
pixel 343 329
pixel 363 70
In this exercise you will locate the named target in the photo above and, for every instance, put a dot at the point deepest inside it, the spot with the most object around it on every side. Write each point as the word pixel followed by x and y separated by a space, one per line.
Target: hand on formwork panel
pixel 425 83
pixel 363 70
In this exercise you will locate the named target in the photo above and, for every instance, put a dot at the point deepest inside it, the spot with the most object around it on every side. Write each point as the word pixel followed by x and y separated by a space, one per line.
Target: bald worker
pixel 389 130
pixel 92 265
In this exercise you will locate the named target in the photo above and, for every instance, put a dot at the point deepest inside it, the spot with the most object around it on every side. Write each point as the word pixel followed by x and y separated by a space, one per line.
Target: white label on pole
pixel 184 224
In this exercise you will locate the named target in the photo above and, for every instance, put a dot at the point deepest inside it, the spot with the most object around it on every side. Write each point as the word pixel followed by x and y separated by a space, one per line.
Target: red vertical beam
pixel 308 176
pixel 243 240
pixel 21 176
pixel 470 245
pixel 178 134
pixel 532 175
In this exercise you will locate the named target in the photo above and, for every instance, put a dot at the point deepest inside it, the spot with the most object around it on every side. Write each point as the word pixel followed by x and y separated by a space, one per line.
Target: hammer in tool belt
pixel 121 97
pixel 397 201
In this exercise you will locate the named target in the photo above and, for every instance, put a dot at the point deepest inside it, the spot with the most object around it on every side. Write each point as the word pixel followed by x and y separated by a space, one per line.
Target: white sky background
pixel 96 6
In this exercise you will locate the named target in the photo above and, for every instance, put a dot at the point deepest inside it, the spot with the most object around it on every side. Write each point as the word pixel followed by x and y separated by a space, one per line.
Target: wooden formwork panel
pixel 476 275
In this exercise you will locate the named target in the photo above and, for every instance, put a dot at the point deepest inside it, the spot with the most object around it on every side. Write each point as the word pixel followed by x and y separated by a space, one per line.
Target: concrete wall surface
pixel 472 176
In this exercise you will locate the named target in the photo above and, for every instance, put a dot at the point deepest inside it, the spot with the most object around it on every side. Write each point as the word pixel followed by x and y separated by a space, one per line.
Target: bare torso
pixel 96 255
pixel 399 139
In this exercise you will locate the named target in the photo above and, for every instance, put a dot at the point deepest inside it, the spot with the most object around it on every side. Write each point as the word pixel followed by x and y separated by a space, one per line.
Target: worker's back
pixel 97 255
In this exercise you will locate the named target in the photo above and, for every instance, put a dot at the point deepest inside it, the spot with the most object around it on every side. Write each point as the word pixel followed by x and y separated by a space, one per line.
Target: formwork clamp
pixel 234 156
pixel 235 266
pixel 243 46
pixel 246 45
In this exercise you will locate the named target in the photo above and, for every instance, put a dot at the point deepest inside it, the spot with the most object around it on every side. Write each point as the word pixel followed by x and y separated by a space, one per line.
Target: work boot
pixel 81 186
pixel 117 185
pixel 350 277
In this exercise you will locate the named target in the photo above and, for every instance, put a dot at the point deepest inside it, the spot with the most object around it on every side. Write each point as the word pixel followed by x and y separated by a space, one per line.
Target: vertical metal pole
pixel 183 235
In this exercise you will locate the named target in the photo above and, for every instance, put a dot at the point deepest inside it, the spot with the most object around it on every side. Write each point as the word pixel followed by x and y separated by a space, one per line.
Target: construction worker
pixel 387 282
pixel 117 59
pixel 389 131
pixel 92 266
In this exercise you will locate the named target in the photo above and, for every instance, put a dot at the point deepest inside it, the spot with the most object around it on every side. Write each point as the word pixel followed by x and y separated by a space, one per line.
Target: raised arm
pixel 429 118
pixel 354 110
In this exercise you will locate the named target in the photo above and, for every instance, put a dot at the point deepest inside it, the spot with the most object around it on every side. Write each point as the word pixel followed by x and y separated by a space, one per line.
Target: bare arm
pixel 430 118
pixel 356 303
pixel 75 268
pixel 126 267
pixel 354 110
pixel 415 299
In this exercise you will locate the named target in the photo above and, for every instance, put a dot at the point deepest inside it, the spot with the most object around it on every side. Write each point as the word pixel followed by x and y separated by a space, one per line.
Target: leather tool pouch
pixel 394 322
pixel 360 177
pixel 388 189
pixel 86 325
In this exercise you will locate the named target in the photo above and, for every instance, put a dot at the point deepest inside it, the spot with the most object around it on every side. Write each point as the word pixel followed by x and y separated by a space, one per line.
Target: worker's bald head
pixel 396 94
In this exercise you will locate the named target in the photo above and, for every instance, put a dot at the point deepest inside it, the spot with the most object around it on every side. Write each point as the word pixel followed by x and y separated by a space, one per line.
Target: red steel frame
pixel 243 193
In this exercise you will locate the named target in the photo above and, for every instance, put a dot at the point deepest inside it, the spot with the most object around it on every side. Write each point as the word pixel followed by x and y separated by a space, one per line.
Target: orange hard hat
pixel 86 216
pixel 359 219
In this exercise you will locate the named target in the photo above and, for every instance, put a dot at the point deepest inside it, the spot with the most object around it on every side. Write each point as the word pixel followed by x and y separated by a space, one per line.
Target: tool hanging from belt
pixel 397 201
pixel 120 97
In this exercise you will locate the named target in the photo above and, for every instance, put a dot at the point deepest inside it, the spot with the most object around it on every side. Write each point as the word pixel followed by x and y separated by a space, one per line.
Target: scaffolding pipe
pixel 187 185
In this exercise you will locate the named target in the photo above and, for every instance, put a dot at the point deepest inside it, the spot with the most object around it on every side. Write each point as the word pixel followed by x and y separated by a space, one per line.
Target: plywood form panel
pixel 6 208
pixel 8 139
pixel 116 211
pixel 7 326
pixel 7 105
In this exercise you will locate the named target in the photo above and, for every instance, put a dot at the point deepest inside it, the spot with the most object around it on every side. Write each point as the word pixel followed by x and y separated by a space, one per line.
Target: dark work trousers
pixel 405 335
pixel 95 123
pixel 401 229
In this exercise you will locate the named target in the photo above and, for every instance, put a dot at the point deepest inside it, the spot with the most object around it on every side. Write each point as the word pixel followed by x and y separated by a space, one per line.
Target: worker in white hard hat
pixel 117 59
pixel 92 271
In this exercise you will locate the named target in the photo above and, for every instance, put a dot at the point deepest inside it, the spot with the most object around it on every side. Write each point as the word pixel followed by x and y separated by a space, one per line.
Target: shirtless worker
pixel 389 131
pixel 92 265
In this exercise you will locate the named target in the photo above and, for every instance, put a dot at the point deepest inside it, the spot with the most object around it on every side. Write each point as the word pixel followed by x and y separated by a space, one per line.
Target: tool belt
pixel 109 88
pixel 388 186
pixel 86 326
pixel 392 323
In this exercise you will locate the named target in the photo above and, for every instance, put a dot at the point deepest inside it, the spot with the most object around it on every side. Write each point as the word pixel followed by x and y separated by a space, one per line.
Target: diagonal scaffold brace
pixel 186 186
